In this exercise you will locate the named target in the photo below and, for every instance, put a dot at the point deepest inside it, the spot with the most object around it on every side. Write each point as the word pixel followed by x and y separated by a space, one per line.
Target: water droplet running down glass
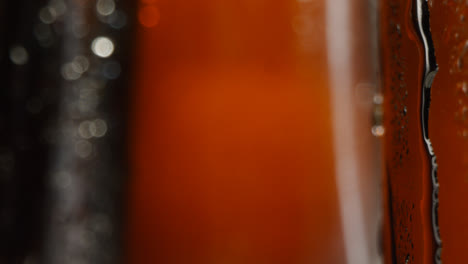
pixel 408 66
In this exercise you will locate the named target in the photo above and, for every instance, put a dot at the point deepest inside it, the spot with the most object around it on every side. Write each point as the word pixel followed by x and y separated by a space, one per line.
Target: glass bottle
pixel 251 133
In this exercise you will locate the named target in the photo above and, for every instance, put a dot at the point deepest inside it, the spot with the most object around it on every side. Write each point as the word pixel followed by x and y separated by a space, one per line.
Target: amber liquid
pixel 232 149
pixel 449 124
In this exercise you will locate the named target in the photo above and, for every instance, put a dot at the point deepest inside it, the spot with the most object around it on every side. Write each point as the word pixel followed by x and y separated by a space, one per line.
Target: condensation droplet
pixel 398 29
pixel 102 47
pixel 84 130
pixel 19 55
pixel 100 128
pixel 80 64
pixel 378 99
pixel 59 7
pixel 378 130
pixel 83 148
pixel 69 72
pixel 47 15
pixel 105 7
pixel 462 87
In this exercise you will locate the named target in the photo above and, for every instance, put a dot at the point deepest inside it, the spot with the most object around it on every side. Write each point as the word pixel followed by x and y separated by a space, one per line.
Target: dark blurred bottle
pixel 62 129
